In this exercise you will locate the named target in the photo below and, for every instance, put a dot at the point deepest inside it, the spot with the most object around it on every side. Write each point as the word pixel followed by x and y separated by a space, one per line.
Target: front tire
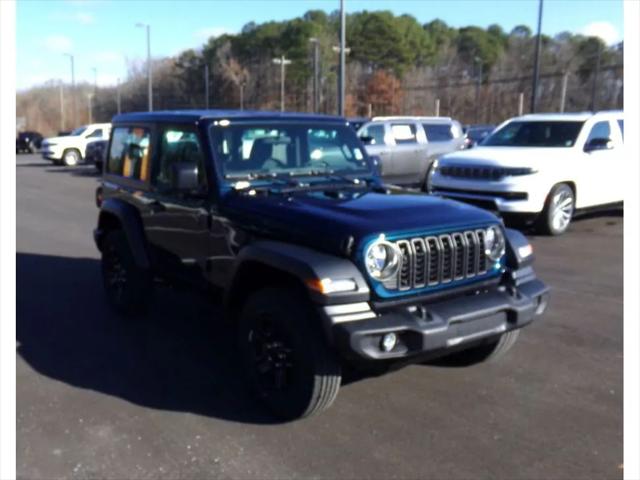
pixel 127 286
pixel 287 362
pixel 558 210
pixel 71 157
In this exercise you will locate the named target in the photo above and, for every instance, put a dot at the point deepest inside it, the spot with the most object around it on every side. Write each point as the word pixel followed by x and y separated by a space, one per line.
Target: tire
pixel 287 362
pixel 558 210
pixel 71 157
pixel 127 286
pixel 426 186
pixel 487 352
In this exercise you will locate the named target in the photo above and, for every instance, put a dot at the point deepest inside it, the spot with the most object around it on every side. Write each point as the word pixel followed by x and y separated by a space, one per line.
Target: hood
pixel 325 220
pixel 505 156
pixel 62 139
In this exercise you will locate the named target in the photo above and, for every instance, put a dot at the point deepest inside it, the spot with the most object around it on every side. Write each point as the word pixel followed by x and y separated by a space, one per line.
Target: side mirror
pixel 598 144
pixel 184 177
pixel 367 140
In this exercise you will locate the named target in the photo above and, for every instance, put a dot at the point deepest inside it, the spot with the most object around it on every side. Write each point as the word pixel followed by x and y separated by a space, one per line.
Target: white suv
pixel 541 167
pixel 70 149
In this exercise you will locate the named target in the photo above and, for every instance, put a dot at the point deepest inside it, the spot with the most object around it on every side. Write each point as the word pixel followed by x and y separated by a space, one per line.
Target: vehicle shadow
pixel 180 357
pixel 612 213
pixel 88 170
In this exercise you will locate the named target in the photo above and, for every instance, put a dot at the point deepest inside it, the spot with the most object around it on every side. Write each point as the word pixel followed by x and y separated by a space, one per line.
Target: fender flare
pixel 130 222
pixel 304 264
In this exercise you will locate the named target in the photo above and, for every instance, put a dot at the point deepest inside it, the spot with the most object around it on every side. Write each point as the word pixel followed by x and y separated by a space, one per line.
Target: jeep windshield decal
pixel 276 151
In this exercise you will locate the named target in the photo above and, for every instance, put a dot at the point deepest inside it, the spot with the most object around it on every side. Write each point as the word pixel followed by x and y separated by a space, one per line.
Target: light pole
pixel 61 107
pixel 73 91
pixel 283 62
pixel 341 71
pixel 118 96
pixel 90 106
pixel 594 84
pixel 149 74
pixel 536 63
pixel 316 80
pixel 95 79
pixel 340 85
pixel 478 61
pixel 206 86
pixel 242 84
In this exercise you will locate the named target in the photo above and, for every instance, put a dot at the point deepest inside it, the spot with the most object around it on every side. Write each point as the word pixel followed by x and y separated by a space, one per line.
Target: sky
pixel 102 34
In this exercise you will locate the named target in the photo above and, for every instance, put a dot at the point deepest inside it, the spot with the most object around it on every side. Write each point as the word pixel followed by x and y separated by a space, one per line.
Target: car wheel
pixel 558 210
pixel 490 351
pixel 71 157
pixel 287 362
pixel 427 186
pixel 128 287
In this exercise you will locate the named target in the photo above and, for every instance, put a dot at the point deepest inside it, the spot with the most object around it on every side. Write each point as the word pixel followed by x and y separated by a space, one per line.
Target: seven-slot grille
pixel 440 259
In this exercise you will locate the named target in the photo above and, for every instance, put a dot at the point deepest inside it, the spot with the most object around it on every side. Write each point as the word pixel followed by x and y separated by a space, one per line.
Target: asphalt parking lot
pixel 98 397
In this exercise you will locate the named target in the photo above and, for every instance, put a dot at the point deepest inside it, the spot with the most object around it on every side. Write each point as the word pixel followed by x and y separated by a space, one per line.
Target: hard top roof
pixel 569 117
pixel 182 116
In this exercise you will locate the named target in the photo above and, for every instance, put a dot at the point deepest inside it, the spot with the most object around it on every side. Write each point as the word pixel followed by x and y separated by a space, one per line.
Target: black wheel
pixel 287 362
pixel 489 351
pixel 558 210
pixel 71 157
pixel 128 287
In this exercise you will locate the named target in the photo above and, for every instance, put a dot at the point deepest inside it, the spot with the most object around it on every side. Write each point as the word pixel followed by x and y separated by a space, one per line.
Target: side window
pixel 178 146
pixel 375 131
pixel 438 132
pixel 404 133
pixel 600 130
pixel 129 153
pixel 621 125
pixel 96 134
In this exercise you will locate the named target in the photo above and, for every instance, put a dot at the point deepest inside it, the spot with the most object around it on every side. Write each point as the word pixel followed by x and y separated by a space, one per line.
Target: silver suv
pixel 407 146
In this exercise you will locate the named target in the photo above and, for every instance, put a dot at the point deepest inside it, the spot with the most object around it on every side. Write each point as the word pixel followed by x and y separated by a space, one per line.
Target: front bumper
pixel 434 329
pixel 51 153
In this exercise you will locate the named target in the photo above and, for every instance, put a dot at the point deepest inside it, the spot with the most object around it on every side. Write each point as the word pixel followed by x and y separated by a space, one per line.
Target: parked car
pixel 70 149
pixel 540 168
pixel 95 153
pixel 318 263
pixel 474 134
pixel 29 142
pixel 407 146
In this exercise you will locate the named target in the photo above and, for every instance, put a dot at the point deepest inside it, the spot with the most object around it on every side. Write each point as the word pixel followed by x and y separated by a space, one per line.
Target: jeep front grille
pixel 440 259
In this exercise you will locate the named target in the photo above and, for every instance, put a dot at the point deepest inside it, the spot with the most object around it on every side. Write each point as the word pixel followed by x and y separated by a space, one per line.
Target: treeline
pixel 395 65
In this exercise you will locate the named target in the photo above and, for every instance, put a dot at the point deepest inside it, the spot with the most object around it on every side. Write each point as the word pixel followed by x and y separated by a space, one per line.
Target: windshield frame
pixel 308 176
pixel 578 123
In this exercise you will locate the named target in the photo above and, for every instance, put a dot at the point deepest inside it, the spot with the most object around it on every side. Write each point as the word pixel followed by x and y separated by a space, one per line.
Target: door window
pixel 404 133
pixel 376 132
pixel 178 146
pixel 438 132
pixel 129 153
pixel 600 130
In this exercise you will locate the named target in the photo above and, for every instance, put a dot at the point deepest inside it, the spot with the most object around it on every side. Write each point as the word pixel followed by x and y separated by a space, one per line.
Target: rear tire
pixel 487 352
pixel 558 210
pixel 287 362
pixel 71 157
pixel 127 286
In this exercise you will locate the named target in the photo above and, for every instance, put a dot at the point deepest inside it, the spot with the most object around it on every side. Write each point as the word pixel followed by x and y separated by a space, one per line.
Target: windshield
pixel 78 131
pixel 535 134
pixel 248 149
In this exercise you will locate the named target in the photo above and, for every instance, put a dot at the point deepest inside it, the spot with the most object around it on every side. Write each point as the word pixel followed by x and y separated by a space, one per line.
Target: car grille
pixel 441 259
pixel 477 172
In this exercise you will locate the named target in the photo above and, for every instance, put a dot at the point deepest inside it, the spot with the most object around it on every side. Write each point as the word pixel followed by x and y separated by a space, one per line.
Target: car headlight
pixel 494 243
pixel 382 259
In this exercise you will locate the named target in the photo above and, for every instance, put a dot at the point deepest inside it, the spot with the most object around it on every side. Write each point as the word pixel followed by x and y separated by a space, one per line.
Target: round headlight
pixel 382 260
pixel 494 243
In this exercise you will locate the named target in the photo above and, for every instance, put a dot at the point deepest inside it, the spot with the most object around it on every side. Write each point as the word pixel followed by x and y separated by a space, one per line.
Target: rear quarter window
pixel 438 132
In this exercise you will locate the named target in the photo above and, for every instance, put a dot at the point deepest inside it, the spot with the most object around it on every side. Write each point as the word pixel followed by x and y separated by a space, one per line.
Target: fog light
pixel 388 342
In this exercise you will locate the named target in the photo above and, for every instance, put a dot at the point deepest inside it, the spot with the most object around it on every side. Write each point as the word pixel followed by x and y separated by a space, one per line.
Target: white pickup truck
pixel 70 149
pixel 540 167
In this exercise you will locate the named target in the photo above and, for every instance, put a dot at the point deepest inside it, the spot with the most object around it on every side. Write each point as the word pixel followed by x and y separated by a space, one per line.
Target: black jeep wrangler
pixel 319 263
